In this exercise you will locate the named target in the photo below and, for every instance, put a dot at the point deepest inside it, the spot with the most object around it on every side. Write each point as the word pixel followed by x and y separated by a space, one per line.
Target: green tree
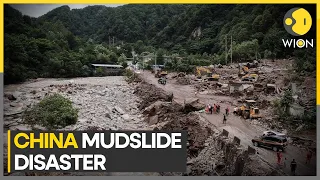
pixel 286 101
pixel 53 112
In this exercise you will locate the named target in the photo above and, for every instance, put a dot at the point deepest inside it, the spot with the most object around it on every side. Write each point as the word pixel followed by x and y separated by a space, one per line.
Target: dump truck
pixel 248 110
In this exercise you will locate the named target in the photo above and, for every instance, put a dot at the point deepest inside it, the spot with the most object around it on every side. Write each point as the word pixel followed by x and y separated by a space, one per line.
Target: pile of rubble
pixel 222 157
pixel 198 131
pixel 304 143
pixel 164 114
pixel 150 94
pixel 101 106
pixel 176 75
pixel 161 111
pixel 185 80
pixel 208 85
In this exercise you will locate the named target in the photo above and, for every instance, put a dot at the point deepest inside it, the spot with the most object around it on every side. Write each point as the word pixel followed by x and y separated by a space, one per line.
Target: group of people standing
pixel 216 109
pixel 213 109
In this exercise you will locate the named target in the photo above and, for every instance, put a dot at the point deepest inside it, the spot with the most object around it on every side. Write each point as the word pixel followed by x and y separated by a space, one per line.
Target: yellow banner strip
pixel 317 57
pixel 9 152
pixel 162 1
pixel 1 40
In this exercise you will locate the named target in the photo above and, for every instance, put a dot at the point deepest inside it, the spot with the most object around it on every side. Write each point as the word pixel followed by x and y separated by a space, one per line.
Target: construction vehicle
pixel 160 73
pixel 248 110
pixel 254 64
pixel 206 74
pixel 162 80
pixel 250 77
pixel 202 71
pixel 243 70
pixel 213 77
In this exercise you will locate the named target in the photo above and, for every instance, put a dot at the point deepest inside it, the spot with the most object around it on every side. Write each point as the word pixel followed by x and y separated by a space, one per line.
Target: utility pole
pixel 256 55
pixel 143 63
pixel 256 52
pixel 113 41
pixel 226 50
pixel 231 50
pixel 109 41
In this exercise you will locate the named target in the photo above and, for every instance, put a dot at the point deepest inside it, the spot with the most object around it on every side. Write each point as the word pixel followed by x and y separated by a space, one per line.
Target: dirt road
pixel 236 125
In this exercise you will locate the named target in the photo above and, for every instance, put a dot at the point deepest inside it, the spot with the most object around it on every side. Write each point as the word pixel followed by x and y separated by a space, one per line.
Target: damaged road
pixel 244 129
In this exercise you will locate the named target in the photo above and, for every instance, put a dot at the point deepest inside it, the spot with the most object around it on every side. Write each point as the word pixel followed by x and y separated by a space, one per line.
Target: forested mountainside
pixel 64 42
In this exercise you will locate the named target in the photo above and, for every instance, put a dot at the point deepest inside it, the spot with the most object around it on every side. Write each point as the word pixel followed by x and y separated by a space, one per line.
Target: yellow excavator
pixel 202 71
pixel 243 70
pixel 250 77
pixel 161 73
pixel 213 77
pixel 206 73
pixel 248 110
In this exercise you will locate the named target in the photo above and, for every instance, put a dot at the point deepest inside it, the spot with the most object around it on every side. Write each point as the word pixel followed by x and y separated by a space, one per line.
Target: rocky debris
pixel 165 115
pixel 107 106
pixel 153 119
pixel 222 157
pixel 198 131
pixel 183 80
pixel 255 166
pixel 303 143
pixel 219 66
pixel 176 75
pixel 160 107
pixel 209 85
pixel 192 104
pixel 300 127
pixel 149 94
pixel 126 117
pixel 11 97
pixel 162 111
pixel 119 110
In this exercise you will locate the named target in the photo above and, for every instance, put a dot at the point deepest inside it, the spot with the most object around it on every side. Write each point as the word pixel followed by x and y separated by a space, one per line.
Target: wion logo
pixel 297 22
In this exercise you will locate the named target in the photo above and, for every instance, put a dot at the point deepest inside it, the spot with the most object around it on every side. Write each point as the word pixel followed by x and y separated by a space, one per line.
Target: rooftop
pixel 107 65
pixel 251 101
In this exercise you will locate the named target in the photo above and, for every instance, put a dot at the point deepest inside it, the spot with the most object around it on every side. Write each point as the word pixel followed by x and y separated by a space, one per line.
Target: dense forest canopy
pixel 64 42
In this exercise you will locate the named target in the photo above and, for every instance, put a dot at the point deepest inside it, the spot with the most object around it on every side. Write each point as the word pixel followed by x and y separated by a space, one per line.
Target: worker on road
pixel 207 108
pixel 227 111
pixel 285 162
pixel 224 119
pixel 171 97
pixel 235 110
pixel 279 157
pixel 210 109
pixel 309 156
pixel 293 166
